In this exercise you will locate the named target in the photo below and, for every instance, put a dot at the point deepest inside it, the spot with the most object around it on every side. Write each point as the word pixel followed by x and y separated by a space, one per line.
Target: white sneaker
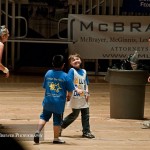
pixel 146 125
pixel 59 141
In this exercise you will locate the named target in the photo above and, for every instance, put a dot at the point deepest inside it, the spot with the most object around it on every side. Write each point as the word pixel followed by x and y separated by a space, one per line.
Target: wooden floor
pixel 21 104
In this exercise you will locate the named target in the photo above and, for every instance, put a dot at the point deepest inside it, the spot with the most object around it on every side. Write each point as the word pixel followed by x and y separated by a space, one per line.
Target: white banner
pixel 109 37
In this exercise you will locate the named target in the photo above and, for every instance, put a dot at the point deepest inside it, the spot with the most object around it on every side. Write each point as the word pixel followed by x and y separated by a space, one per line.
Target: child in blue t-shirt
pixel 79 100
pixel 56 85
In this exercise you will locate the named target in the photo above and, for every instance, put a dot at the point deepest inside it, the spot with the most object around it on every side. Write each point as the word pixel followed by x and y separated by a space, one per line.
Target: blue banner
pixel 138 6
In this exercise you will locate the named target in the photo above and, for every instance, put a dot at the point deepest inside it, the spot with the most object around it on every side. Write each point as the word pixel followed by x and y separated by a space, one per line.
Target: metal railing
pixel 19 17
pixel 15 49
pixel 94 6
pixel 88 7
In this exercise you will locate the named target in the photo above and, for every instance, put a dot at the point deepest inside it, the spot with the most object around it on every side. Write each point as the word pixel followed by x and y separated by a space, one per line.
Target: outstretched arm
pixel 2 67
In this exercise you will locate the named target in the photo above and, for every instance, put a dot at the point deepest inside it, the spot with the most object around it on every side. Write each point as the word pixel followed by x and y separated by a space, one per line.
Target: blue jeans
pixel 73 116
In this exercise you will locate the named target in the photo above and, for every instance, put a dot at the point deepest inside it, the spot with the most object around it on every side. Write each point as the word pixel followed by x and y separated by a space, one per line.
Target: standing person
pixel 146 124
pixel 79 100
pixel 56 84
pixel 4 34
pixel 149 46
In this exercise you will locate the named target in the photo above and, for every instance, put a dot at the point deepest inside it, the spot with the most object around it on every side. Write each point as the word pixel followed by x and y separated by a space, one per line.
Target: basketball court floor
pixel 21 104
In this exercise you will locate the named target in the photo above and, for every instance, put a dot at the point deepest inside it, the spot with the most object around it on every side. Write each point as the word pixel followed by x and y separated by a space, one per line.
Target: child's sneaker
pixel 36 137
pixel 88 135
pixel 146 125
pixel 59 141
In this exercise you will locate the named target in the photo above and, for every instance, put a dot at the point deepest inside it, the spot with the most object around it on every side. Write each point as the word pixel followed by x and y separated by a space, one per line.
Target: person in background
pixel 149 46
pixel 57 85
pixel 79 100
pixel 146 124
pixel 4 34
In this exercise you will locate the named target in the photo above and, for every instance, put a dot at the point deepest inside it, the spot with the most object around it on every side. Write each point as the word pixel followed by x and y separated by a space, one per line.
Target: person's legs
pixel 70 118
pixel 44 117
pixel 41 124
pixel 56 131
pixel 39 129
pixel 85 120
pixel 57 119
pixel 85 123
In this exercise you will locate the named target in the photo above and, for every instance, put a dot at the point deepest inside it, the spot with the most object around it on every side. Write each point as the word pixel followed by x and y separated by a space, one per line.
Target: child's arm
pixel 87 94
pixel 68 97
pixel 2 67
pixel 149 79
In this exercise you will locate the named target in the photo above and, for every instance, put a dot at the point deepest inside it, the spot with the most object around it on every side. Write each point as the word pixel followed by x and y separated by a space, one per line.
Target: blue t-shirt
pixel 56 84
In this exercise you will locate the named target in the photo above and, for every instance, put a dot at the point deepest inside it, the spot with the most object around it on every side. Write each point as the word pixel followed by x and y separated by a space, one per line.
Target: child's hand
pixel 7 74
pixel 79 91
pixel 87 98
pixel 68 98
pixel 87 95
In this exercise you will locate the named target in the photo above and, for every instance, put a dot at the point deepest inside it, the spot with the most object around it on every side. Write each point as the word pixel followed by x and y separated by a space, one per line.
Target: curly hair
pixel 3 30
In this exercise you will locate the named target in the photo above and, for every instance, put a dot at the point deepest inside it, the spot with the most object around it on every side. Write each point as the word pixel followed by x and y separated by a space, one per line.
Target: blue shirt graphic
pixel 56 84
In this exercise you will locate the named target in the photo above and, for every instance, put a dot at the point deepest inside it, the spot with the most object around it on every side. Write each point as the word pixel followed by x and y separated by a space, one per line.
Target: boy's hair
pixel 58 61
pixel 72 56
pixel 3 30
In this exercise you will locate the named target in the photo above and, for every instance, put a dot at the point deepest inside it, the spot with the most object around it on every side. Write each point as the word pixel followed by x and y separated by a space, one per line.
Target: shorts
pixel 46 115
